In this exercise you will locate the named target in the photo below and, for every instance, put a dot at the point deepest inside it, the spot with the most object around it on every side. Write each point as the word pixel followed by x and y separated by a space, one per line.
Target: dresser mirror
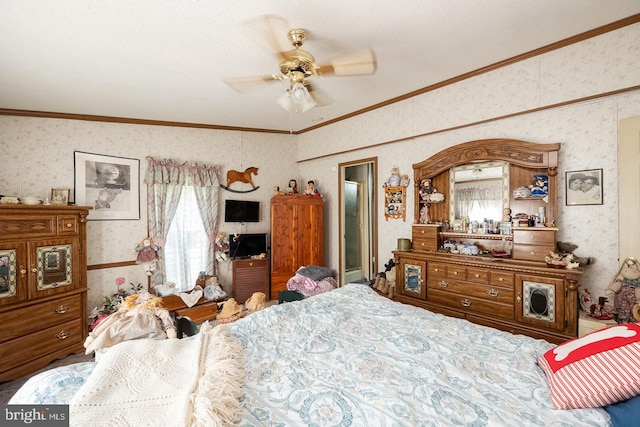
pixel 478 191
pixel 54 267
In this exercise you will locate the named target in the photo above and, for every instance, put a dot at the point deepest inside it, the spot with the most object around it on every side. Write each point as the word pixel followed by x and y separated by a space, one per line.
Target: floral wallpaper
pixel 38 153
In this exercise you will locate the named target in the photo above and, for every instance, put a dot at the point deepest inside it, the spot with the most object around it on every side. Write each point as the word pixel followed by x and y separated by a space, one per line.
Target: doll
pixel 147 255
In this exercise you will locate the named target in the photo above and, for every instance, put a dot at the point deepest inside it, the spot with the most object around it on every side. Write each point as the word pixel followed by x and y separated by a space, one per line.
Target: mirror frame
pixel 64 264
pixel 470 166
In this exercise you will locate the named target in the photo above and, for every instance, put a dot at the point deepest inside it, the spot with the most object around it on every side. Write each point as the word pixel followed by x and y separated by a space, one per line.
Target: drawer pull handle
pixel 63 335
pixel 501 279
pixel 493 293
pixel 34 270
pixel 532 253
pixel 443 284
pixel 519 298
pixel 465 303
pixel 455 273
pixel 61 309
pixel 477 275
pixel 436 269
pixel 422 232
pixel 69 225
pixel 23 272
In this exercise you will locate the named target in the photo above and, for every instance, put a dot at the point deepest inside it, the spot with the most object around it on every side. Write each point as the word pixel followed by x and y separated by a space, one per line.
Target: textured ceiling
pixel 166 59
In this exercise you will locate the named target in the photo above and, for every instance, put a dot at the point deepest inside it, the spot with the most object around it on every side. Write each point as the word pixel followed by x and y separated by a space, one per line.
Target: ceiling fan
pixel 298 65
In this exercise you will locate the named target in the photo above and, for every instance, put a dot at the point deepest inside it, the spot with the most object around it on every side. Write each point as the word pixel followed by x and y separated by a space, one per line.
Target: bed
pixel 347 357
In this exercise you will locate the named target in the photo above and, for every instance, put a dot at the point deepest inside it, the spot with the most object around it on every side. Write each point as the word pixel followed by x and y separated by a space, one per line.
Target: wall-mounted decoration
pixel 110 184
pixel 394 202
pixel 584 187
pixel 236 176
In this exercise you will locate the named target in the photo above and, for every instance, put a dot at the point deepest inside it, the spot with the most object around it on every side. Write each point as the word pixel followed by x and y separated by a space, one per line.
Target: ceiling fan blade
pixel 321 97
pixel 360 62
pixel 270 33
pixel 245 84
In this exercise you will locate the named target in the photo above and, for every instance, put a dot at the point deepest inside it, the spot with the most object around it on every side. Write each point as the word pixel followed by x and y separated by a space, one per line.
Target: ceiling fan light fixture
pixel 297 94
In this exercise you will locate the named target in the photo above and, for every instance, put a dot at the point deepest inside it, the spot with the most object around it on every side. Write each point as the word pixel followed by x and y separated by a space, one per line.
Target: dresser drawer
pixel 499 278
pixel 477 275
pixel 30 347
pixel 425 238
pixel 67 225
pixel 436 269
pixel 11 226
pixel 27 320
pixel 540 237
pixel 464 289
pixel 456 272
pixel 470 304
pixel 531 252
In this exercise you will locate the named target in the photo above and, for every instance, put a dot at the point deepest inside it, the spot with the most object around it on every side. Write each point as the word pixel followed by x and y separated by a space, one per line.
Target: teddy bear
pixel 565 248
pixel 626 290
pixel 394 179
pixel 138 316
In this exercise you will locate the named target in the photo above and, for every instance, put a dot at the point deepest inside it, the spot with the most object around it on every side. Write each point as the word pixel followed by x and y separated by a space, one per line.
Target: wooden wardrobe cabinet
pixel 297 237
pixel 43 286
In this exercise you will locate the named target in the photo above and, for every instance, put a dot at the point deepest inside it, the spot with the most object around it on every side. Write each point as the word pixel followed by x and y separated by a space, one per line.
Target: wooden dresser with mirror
pixel 470 260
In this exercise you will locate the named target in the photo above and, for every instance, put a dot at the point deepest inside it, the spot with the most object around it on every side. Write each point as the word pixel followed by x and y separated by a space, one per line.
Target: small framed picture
pixel 584 187
pixel 60 196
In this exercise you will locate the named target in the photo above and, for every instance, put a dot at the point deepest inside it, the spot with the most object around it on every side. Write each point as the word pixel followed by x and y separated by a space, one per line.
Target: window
pixel 187 243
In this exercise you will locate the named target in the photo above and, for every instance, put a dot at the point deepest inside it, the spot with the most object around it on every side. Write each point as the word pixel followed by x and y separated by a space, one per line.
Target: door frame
pixel 372 215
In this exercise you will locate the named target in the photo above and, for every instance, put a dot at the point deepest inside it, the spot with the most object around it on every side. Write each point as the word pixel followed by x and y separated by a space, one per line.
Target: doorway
pixel 358 246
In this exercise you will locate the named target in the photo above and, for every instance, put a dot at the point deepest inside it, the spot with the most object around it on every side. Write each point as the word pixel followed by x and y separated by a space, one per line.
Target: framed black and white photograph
pixel 584 187
pixel 111 185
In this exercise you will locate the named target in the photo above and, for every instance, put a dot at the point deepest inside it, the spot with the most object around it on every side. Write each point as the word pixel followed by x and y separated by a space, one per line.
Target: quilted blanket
pixel 194 382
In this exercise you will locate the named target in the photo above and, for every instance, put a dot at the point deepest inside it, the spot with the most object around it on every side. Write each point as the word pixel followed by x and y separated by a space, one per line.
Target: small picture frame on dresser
pixel 60 196
pixel 584 187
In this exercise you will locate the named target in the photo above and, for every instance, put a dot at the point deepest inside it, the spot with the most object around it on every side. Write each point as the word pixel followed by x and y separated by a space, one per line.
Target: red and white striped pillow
pixel 598 369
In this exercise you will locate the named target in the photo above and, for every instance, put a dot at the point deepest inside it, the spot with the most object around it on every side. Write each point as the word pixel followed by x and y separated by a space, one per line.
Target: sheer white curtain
pixel 187 243
pixel 193 234
pixel 478 199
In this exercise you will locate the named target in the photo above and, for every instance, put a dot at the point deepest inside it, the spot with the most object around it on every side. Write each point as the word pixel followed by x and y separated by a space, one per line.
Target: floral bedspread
pixel 352 358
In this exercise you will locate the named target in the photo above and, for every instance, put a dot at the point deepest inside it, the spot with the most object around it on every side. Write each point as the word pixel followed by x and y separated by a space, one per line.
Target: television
pixel 241 211
pixel 247 245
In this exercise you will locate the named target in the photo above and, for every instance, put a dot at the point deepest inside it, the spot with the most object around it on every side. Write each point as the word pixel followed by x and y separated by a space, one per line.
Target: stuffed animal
pixel 394 179
pixel 564 248
pixel 147 255
pixel 138 316
pixel 626 290
pixel 221 245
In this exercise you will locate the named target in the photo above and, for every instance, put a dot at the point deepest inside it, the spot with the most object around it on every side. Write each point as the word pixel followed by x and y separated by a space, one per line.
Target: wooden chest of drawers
pixel 425 237
pixel 533 244
pixel 43 308
pixel 517 296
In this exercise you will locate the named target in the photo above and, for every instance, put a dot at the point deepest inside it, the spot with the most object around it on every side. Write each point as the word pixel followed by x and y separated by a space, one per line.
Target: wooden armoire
pixel 297 237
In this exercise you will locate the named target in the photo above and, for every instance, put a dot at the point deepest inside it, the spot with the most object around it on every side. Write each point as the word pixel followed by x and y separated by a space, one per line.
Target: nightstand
pixel 588 324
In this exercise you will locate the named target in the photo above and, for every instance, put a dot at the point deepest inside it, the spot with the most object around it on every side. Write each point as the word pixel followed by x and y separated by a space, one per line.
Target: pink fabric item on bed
pixel 309 287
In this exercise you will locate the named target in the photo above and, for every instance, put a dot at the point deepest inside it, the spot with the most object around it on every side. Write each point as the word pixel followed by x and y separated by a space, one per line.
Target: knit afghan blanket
pixel 173 382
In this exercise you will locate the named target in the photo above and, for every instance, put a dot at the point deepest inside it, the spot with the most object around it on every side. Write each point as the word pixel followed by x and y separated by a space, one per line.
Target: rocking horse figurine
pixel 235 176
